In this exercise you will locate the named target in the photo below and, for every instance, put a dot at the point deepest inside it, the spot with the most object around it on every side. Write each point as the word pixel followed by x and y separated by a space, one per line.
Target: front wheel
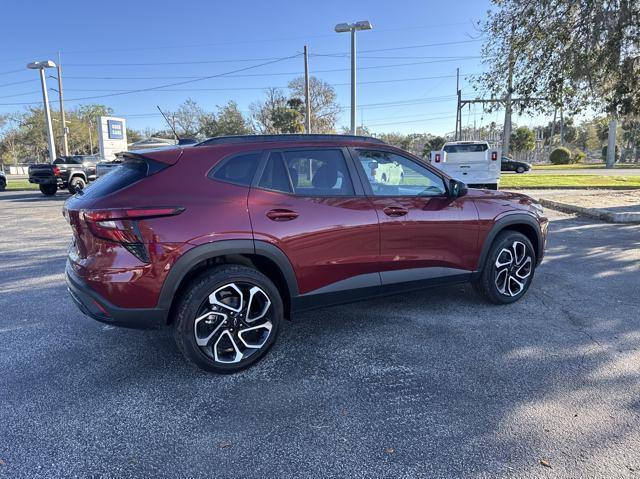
pixel 48 190
pixel 228 318
pixel 76 184
pixel 508 269
pixel 520 169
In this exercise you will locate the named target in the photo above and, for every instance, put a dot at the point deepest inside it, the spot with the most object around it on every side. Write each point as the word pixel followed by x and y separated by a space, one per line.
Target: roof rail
pixel 226 140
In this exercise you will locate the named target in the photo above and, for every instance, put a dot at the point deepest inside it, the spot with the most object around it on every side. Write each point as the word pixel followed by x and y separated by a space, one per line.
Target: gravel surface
pixel 432 384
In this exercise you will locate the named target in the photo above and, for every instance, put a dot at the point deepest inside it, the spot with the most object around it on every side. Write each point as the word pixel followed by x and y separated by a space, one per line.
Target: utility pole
pixel 90 136
pixel 507 108
pixel 63 123
pixel 611 145
pixel 307 102
pixel 561 127
pixel 459 108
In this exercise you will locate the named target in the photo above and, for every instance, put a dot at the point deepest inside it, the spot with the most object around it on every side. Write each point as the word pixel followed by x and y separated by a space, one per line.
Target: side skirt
pixel 311 301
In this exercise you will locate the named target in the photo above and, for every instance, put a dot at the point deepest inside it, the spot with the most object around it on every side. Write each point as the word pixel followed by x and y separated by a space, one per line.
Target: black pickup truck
pixel 66 172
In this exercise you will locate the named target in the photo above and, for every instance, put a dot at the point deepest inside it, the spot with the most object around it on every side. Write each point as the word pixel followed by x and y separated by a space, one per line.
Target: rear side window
pixel 274 177
pixel 121 176
pixel 238 170
pixel 477 148
pixel 319 173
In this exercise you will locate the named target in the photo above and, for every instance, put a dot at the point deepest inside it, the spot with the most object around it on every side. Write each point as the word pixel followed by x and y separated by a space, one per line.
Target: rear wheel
pixel 76 184
pixel 508 269
pixel 48 190
pixel 228 318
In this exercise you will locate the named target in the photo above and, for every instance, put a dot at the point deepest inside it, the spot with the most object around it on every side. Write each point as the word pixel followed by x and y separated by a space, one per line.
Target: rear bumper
pixel 95 306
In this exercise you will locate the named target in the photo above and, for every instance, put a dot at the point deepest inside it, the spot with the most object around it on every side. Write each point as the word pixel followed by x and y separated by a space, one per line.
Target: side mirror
pixel 457 188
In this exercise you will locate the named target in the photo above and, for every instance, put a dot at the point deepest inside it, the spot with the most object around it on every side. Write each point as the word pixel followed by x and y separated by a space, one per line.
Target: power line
pixel 418 120
pixel 408 47
pixel 18 83
pixel 158 87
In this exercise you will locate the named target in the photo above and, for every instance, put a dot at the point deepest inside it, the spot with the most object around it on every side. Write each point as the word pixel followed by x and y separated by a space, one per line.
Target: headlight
pixel 538 208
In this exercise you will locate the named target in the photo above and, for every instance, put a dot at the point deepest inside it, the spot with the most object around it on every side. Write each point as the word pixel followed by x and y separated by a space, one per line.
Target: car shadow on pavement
pixel 452 385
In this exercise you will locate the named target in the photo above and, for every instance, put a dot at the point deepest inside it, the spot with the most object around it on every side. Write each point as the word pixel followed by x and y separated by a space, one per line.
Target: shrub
pixel 604 153
pixel 578 156
pixel 560 156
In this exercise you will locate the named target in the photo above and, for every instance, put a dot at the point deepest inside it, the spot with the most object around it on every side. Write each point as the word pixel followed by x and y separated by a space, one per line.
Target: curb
pixel 598 213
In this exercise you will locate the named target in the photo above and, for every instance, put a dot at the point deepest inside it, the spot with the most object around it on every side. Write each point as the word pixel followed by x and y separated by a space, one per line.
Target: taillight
pixel 121 226
pixel 438 157
pixel 56 171
pixel 494 156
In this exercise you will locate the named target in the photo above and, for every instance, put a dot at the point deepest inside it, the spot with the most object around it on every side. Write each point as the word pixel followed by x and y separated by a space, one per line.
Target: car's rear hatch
pixel 81 212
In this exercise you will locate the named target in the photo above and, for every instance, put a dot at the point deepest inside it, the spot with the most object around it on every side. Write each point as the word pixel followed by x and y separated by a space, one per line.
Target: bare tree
pixel 324 109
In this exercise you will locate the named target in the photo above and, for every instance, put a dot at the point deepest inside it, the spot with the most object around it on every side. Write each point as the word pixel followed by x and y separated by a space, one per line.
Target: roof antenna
pixel 169 123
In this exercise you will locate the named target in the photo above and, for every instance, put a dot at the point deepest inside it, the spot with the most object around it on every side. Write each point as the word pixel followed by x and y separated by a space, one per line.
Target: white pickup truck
pixel 472 162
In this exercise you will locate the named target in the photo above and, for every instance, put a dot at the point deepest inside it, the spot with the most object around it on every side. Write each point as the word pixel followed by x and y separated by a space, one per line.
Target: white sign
pixel 112 136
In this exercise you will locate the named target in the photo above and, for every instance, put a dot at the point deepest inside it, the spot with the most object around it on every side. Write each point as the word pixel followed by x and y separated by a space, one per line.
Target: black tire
pixel 490 279
pixel 48 190
pixel 3 185
pixel 520 169
pixel 76 184
pixel 190 318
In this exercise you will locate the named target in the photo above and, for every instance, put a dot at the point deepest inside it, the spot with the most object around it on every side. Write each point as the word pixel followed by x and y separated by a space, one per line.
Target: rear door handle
pixel 282 215
pixel 395 211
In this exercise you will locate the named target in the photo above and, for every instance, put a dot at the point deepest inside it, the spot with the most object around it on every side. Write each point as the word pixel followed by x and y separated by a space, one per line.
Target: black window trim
pixel 351 169
pixel 220 164
pixel 408 156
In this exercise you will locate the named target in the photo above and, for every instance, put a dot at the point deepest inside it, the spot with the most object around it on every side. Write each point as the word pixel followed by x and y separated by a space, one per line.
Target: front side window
pixel 309 172
pixel 390 174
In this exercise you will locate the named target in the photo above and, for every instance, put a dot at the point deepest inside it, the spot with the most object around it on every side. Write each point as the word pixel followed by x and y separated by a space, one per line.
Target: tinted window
pixel 394 175
pixel 119 177
pixel 319 173
pixel 473 148
pixel 237 169
pixel 274 176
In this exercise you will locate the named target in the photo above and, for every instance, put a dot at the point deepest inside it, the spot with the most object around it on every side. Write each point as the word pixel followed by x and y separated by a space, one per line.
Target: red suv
pixel 226 238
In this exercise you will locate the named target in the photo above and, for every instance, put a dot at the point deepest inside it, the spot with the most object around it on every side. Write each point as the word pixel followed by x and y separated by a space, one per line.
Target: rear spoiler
pixel 168 156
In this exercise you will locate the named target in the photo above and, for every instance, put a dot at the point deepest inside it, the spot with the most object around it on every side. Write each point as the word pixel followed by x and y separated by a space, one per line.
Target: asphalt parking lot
pixel 433 384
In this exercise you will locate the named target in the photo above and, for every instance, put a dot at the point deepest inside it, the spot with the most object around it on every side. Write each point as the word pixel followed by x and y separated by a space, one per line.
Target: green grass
pixel 563 181
pixel 581 166
pixel 21 185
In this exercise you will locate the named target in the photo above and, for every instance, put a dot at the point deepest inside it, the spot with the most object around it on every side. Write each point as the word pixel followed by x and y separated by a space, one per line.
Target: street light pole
pixel 65 133
pixel 307 94
pixel 40 66
pixel 353 28
pixel 353 81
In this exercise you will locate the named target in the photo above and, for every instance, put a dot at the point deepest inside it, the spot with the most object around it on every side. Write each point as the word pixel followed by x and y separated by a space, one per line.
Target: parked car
pixel 509 164
pixel 66 172
pixel 3 181
pixel 246 239
pixel 380 170
pixel 472 162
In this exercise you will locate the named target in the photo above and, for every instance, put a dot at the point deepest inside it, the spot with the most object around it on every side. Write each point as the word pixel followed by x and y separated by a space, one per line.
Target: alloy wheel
pixel 513 268
pixel 233 323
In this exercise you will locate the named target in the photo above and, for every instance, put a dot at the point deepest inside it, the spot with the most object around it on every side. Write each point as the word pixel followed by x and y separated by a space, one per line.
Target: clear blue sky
pixel 226 36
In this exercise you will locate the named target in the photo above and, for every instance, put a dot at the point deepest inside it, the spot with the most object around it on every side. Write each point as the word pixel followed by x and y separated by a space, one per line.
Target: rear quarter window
pixel 238 169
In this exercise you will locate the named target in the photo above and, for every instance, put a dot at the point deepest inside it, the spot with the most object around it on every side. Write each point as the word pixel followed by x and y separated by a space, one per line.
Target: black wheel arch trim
pixel 200 253
pixel 504 223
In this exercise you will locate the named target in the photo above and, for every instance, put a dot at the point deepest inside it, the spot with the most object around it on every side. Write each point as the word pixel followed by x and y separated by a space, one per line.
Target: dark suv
pixel 226 238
